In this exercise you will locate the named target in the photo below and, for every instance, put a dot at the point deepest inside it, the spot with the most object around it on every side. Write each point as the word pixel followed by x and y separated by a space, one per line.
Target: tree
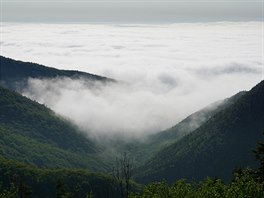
pixel 122 173
pixel 259 153
pixel 23 190
pixel 11 192
pixel 61 190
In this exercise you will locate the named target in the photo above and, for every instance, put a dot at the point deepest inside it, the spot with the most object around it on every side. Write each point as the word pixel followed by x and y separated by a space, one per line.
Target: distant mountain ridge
pixel 214 149
pixel 14 73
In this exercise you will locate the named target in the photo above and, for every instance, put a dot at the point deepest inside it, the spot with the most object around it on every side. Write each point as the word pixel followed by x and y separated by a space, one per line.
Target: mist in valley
pixel 164 72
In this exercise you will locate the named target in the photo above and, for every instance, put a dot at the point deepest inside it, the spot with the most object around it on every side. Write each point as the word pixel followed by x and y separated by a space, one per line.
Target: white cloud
pixel 171 70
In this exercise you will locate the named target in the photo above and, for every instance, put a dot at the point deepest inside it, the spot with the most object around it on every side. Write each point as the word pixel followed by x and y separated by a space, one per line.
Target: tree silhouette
pixel 122 173
pixel 259 153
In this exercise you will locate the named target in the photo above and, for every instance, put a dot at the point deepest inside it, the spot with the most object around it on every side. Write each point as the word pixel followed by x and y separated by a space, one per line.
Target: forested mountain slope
pixel 31 181
pixel 14 74
pixel 34 134
pixel 160 140
pixel 222 143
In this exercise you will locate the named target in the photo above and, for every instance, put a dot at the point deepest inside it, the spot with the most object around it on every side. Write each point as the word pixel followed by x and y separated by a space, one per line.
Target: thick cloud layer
pixel 169 70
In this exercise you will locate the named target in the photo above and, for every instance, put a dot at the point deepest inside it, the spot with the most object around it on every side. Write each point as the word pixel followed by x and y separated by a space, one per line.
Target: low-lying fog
pixel 167 71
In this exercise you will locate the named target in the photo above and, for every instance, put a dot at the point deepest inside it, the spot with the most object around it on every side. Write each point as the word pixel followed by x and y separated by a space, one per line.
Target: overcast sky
pixel 117 11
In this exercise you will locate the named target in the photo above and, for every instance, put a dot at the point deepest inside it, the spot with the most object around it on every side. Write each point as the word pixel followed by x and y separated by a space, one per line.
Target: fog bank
pixel 167 71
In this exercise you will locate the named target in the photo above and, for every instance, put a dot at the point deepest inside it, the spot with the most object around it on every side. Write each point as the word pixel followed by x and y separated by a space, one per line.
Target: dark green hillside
pixel 142 151
pixel 32 133
pixel 222 143
pixel 165 138
pixel 193 121
pixel 35 182
pixel 14 74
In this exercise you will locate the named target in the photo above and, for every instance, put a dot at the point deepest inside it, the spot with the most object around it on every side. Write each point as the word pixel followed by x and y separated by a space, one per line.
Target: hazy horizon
pixel 127 11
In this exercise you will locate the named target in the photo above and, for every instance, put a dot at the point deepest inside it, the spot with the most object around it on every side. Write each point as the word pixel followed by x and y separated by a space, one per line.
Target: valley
pixel 44 147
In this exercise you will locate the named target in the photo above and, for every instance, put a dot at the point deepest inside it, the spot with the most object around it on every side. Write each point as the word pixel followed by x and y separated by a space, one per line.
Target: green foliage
pixel 225 141
pixel 259 153
pixel 143 151
pixel 32 133
pixel 65 183
pixel 11 192
pixel 31 181
pixel 242 186
pixel 189 124
pixel 156 190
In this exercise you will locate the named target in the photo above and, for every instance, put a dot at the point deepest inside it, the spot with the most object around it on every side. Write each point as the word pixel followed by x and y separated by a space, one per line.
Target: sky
pixel 128 11
pixel 168 71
